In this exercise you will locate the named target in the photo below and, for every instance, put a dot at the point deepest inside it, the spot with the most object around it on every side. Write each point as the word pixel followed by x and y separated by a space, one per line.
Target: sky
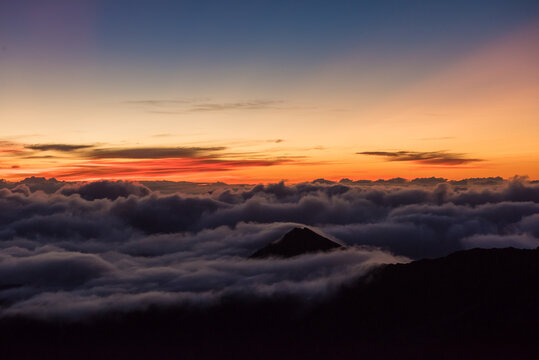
pixel 259 91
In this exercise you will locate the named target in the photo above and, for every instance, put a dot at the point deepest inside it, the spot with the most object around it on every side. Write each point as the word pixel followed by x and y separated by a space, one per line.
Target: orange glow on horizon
pixel 480 112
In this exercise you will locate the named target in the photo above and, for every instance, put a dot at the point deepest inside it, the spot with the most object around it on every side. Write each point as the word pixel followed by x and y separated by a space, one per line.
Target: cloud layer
pixel 73 249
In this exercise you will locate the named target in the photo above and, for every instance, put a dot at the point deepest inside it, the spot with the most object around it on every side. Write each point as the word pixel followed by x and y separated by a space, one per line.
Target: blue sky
pixel 287 31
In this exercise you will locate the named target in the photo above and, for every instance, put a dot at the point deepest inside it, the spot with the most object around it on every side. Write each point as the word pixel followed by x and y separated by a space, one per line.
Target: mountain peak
pixel 297 241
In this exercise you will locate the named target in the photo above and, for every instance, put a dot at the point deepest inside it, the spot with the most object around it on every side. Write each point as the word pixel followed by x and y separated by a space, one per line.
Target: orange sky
pixel 475 116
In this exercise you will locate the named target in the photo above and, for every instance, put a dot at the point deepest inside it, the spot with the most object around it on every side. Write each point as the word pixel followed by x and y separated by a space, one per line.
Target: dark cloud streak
pixel 58 147
pixel 153 152
pixel 428 157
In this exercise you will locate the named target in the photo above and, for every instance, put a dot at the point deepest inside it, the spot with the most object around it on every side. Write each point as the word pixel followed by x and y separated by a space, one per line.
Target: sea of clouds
pixel 70 250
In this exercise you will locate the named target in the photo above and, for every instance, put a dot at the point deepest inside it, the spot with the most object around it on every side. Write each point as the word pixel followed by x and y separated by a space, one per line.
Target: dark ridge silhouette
pixel 297 241
pixel 475 304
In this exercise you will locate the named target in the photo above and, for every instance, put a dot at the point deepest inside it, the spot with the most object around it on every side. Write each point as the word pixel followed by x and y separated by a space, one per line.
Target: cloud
pixel 176 106
pixel 52 269
pixel 86 248
pixel 428 181
pixel 10 148
pixel 160 168
pixel 90 162
pixel 162 102
pixel 105 190
pixel 430 157
pixel 147 162
pixel 153 152
pixel 162 161
pixel 245 105
pixel 530 224
pixel 137 282
pixel 58 147
pixel 33 184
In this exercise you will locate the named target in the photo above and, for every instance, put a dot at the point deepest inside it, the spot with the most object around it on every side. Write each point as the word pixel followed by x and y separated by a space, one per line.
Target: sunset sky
pixel 259 91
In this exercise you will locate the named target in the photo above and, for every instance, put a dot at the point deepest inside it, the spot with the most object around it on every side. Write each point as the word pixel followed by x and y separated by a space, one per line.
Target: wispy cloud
pixel 176 106
pixel 245 105
pixel 113 161
pixel 58 147
pixel 161 102
pixel 158 167
pixel 425 157
pixel 9 148
pixel 153 152
pixel 94 161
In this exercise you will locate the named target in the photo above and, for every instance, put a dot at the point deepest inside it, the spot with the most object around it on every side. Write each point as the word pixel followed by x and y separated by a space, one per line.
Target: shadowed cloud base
pixel 130 246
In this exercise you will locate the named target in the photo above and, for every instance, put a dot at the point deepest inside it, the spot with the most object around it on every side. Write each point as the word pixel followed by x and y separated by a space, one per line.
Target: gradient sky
pixel 252 90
